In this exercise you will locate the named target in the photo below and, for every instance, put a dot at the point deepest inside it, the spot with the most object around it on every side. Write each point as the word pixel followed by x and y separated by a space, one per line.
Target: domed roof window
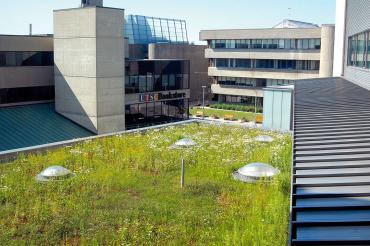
pixel 253 172
pixel 184 143
pixel 54 173
pixel 264 139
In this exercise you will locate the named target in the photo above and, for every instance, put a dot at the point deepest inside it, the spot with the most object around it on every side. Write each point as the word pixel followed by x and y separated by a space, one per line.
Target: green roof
pixel 31 125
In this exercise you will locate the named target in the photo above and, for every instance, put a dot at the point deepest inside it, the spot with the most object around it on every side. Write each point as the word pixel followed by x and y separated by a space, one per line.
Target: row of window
pixel 26 94
pixel 26 58
pixel 156 75
pixel 299 44
pixel 266 64
pixel 151 83
pixel 152 113
pixel 359 50
pixel 252 82
pixel 245 100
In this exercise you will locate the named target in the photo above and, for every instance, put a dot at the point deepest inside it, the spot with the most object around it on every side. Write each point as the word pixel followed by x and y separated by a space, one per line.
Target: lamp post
pixel 255 108
pixel 203 90
pixel 185 143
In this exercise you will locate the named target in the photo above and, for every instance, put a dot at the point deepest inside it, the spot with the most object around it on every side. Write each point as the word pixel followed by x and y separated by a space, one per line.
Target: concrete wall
pixel 198 65
pixel 89 67
pixel 340 36
pixel 357 21
pixel 262 74
pixel 327 50
pixel 25 43
pixel 233 90
pixel 15 77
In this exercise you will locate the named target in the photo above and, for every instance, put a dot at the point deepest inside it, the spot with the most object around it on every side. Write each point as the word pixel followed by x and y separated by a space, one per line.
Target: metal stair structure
pixel 330 200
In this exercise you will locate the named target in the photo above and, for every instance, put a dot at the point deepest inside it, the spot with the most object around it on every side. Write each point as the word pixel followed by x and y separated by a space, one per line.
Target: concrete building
pixel 243 61
pixel 89 67
pixel 26 69
pixel 97 82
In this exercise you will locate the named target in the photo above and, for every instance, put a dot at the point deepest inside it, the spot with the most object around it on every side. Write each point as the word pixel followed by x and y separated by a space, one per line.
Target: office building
pixel 82 80
pixel 243 61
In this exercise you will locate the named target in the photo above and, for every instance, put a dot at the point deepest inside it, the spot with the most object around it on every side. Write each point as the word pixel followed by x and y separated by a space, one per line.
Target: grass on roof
pixel 126 191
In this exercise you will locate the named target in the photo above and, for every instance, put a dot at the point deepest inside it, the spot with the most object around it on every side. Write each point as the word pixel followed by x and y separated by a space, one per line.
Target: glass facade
pixel 266 64
pixel 291 44
pixel 26 58
pixel 154 113
pixel 359 50
pixel 156 83
pixel 156 75
pixel 145 30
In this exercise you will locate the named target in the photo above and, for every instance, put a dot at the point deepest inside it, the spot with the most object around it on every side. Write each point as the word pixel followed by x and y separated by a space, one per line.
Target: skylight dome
pixel 253 172
pixel 184 143
pixel 54 173
pixel 264 139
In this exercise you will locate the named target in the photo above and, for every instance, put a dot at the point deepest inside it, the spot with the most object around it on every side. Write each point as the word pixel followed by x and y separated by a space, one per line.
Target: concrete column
pixel 340 39
pixel 89 67
pixel 327 50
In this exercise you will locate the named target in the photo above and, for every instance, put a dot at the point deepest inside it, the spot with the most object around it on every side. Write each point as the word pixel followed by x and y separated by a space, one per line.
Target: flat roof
pixel 331 164
pixel 37 124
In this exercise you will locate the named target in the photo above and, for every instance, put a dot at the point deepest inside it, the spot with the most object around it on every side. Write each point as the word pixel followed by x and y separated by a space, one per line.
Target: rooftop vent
pixel 88 3
pixel 54 173
pixel 253 172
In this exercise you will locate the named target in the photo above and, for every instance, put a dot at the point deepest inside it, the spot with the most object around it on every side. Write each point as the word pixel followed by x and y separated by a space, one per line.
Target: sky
pixel 16 15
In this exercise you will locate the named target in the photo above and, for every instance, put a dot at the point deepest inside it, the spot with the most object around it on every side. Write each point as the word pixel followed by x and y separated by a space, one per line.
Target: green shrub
pixel 236 107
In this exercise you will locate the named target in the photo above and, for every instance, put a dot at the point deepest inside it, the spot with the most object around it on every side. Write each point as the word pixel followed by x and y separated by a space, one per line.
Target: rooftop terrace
pixel 127 191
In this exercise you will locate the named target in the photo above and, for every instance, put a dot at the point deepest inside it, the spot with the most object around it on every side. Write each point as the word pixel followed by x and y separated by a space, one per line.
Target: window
pixel 26 58
pixel 264 63
pixel 360 51
pixel 311 44
pixel 232 44
pixel 287 44
pixel 358 54
pixel 368 49
pixel 305 44
pixel 275 44
pixel 299 44
pixel 351 51
pixel 243 63
pixel 281 43
pixel 222 62
pixel 293 44
pixel 213 44
pixel 256 44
